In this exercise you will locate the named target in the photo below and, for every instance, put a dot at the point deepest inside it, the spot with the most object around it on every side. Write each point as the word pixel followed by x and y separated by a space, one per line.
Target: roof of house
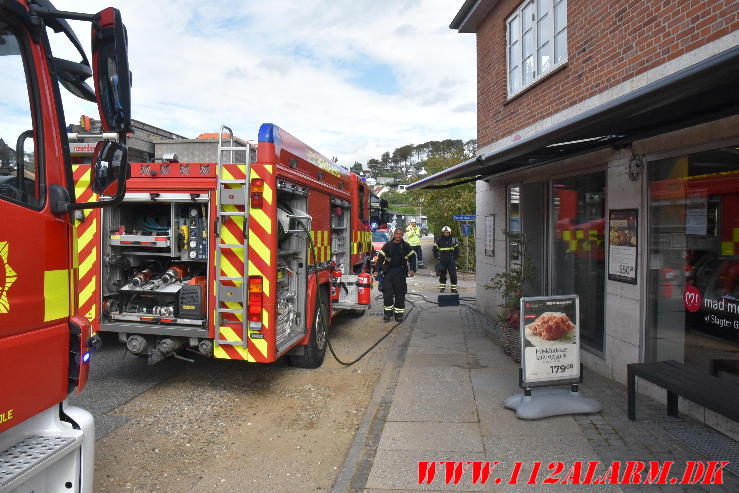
pixel 471 15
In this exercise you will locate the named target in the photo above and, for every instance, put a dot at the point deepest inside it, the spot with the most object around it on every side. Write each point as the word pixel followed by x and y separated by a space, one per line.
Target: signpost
pixel 465 228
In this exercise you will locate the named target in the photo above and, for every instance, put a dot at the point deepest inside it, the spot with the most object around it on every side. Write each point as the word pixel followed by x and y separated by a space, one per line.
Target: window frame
pixel 34 100
pixel 538 74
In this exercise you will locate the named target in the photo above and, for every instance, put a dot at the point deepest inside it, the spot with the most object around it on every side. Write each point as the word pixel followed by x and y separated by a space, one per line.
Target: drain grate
pixel 710 443
pixel 374 314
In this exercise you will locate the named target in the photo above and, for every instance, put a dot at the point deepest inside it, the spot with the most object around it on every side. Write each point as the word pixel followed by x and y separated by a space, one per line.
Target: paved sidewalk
pixel 440 399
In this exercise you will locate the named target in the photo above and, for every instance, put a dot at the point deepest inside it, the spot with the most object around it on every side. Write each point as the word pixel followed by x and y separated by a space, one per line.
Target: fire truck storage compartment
pixel 346 284
pixel 292 255
pixel 154 269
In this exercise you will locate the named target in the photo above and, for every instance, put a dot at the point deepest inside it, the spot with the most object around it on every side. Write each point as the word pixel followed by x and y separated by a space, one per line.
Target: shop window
pixel 19 174
pixel 693 260
pixel 578 253
pixel 514 224
pixel 536 42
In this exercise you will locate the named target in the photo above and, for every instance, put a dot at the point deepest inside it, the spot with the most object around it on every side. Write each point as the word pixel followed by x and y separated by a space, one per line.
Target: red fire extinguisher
pixel 335 283
pixel 364 289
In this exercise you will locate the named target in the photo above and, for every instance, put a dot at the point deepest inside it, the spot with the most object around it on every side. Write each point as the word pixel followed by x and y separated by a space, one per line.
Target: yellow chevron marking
pixel 256 243
pixel 262 219
pixel 229 269
pixel 88 235
pixel 87 292
pixel 87 264
pixel 91 314
pixel 259 344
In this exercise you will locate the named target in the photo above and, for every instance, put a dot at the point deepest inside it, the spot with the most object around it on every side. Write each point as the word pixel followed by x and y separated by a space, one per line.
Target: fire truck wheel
pixel 315 350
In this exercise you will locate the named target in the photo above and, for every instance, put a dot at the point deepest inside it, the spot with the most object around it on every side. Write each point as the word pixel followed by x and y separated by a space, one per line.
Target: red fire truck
pixel 244 261
pixel 46 445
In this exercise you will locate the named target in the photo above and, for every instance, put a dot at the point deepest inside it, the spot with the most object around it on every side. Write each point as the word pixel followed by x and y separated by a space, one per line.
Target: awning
pixel 701 93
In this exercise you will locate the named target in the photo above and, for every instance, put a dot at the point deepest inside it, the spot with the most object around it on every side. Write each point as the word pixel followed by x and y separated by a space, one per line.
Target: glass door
pixel 578 250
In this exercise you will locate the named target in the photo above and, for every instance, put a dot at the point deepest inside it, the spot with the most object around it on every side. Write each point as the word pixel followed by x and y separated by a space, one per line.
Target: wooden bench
pixel 711 392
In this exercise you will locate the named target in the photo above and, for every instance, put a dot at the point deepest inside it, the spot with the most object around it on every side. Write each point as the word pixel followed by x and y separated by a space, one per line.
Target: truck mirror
pixel 384 204
pixel 110 169
pixel 110 69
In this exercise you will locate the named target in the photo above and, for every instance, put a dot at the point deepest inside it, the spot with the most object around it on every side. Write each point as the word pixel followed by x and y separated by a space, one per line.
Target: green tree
pixel 357 167
pixel 441 204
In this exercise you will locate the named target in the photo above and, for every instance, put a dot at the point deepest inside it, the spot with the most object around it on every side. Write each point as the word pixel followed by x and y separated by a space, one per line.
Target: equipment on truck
pixel 45 444
pixel 231 252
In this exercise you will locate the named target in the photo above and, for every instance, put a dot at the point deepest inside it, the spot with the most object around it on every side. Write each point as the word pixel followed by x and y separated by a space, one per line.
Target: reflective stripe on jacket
pixel 445 246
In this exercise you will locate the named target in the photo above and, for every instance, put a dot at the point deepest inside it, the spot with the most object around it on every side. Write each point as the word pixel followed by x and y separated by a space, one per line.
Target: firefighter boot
pixel 388 315
pixel 454 288
pixel 442 287
pixel 398 316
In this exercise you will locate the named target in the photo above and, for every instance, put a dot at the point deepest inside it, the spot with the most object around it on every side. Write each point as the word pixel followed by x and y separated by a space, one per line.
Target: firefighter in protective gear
pixel 446 252
pixel 413 237
pixel 396 260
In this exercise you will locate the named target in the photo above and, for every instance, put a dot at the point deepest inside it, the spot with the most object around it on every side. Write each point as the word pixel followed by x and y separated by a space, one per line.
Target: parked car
pixel 379 238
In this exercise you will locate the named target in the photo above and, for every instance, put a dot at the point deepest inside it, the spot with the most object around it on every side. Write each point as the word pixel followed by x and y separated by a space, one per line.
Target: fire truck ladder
pixel 231 192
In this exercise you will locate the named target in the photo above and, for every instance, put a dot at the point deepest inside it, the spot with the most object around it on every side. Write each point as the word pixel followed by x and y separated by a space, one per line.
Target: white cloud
pixel 197 65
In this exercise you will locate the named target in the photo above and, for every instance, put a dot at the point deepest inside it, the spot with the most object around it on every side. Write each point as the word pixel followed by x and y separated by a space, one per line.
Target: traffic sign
pixel 464 218
pixel 466 228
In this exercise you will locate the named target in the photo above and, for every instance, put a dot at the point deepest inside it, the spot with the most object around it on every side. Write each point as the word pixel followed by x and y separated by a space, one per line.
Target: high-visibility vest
pixel 413 235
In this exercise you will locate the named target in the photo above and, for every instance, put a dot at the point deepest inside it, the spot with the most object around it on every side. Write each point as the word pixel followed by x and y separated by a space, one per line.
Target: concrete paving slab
pixel 511 448
pixel 453 437
pixel 503 422
pixel 398 470
pixel 430 360
pixel 433 394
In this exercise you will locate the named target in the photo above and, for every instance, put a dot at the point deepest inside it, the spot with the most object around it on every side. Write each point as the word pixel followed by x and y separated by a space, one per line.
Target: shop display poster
pixel 550 339
pixel 622 244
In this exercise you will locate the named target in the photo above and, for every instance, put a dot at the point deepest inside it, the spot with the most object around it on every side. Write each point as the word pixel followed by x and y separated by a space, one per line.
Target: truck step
pixel 32 453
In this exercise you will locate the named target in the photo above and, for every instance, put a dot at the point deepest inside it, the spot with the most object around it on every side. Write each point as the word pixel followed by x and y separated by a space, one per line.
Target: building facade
pixel 609 137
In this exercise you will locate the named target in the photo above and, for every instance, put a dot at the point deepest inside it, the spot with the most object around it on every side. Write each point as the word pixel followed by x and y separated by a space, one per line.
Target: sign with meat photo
pixel 550 339
pixel 622 245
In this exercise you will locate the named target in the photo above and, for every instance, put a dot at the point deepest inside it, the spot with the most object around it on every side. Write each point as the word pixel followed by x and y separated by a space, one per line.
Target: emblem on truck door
pixel 7 277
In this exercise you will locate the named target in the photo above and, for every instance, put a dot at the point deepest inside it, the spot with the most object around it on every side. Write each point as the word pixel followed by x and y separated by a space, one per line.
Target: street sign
pixel 466 228
pixel 464 218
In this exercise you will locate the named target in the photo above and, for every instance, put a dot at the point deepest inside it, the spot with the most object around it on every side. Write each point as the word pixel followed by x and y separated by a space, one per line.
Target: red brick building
pixel 609 137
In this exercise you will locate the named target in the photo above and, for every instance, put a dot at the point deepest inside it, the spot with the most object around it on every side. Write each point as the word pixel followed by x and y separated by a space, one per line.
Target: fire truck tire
pixel 315 350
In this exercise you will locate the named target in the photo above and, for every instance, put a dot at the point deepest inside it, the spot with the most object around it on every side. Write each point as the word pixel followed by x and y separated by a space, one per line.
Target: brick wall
pixel 609 42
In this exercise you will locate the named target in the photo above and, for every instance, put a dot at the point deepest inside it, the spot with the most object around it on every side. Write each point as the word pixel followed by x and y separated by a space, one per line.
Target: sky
pixel 351 78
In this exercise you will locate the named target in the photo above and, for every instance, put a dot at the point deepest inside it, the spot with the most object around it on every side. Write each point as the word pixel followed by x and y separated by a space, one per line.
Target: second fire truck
pixel 236 261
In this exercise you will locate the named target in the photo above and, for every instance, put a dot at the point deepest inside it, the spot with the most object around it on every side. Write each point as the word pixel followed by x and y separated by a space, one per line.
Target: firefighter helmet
pixel 446 229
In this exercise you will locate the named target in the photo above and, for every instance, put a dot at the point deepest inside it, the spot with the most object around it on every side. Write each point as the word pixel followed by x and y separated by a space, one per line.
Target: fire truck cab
pixel 46 445
pixel 247 257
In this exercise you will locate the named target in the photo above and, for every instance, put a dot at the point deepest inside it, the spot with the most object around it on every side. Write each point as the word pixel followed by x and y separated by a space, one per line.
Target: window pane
pixel 529 70
pixel 545 29
pixel 543 7
pixel 560 15
pixel 545 58
pixel 514 30
pixel 693 260
pixel 528 16
pixel 514 55
pixel 18 168
pixel 560 47
pixel 579 249
pixel 514 80
pixel 528 43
